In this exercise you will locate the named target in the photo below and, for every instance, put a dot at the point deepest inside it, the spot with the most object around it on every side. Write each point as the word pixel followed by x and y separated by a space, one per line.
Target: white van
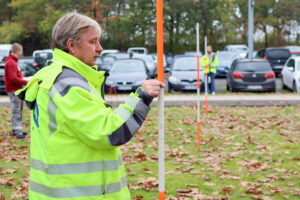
pixel 5 50
pixel 137 50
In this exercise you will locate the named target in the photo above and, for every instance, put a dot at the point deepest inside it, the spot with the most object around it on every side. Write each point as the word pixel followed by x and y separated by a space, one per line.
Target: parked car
pixel 151 66
pixel 295 50
pixel 225 59
pixel 108 60
pixel 42 57
pixel 290 74
pixel 5 50
pixel 166 68
pixel 250 75
pixel 2 74
pixel 183 75
pixel 126 75
pixel 192 53
pixel 108 51
pixel 137 50
pixel 276 56
pixel 26 67
pixel 242 49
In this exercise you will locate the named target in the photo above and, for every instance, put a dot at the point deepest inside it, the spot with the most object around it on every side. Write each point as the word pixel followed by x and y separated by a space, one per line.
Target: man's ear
pixel 71 46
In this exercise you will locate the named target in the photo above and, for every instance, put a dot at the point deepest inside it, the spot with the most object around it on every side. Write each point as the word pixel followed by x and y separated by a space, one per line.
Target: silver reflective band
pixel 115 187
pixel 71 192
pixel 70 82
pixel 123 112
pixel 132 101
pixel 76 168
pixel 52 108
pixel 67 192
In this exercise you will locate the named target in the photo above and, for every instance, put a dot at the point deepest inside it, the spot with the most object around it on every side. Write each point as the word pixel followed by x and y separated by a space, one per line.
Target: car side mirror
pixel 291 69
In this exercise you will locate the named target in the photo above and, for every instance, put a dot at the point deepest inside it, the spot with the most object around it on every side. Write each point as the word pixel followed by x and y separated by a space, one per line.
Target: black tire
pixel 231 89
pixel 294 87
pixel 283 86
pixel 170 89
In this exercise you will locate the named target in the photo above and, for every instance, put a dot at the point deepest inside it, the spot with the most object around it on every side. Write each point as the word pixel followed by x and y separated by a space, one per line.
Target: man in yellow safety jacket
pixel 210 63
pixel 75 136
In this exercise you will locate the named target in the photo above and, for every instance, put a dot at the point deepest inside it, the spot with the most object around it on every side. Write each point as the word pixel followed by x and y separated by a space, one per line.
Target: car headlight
pixel 109 82
pixel 138 82
pixel 173 79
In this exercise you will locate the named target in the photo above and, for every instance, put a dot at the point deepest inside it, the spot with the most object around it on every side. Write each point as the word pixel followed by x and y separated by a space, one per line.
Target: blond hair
pixel 16 47
pixel 71 25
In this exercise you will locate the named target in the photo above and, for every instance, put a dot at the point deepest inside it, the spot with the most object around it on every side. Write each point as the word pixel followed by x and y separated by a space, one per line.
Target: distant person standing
pixel 210 63
pixel 13 82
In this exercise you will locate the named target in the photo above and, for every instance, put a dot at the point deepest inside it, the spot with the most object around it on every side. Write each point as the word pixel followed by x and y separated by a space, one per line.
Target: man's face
pixel 209 49
pixel 19 53
pixel 89 47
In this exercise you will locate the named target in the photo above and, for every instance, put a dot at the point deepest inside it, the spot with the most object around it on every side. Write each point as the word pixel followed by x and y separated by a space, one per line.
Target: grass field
pixel 246 153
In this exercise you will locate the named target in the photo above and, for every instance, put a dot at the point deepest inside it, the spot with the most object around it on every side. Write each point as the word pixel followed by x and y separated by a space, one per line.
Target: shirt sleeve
pixel 12 74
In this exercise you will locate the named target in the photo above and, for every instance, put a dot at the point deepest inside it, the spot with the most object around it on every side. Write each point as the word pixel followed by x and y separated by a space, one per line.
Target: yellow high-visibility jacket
pixel 205 63
pixel 75 136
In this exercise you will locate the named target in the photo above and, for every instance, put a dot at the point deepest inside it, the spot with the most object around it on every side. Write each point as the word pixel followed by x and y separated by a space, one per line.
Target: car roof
pixel 297 58
pixel 275 48
pixel 252 60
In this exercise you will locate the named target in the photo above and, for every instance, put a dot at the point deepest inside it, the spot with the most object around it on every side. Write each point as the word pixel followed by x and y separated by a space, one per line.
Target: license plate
pixel 125 88
pixel 254 87
pixel 278 66
pixel 190 87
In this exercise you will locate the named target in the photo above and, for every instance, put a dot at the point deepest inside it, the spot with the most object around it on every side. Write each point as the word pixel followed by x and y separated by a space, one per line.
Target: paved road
pixel 217 100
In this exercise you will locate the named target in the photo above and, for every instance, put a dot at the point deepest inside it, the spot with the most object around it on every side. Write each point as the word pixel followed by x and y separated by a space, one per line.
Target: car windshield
pixel 4 52
pixel 128 66
pixel 186 64
pixel 120 55
pixel 147 59
pixel 45 55
pixel 108 60
pixel 253 66
pixel 278 53
pixel 226 56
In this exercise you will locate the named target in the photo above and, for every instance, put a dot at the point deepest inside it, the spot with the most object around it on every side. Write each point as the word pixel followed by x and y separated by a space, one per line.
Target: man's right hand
pixel 152 87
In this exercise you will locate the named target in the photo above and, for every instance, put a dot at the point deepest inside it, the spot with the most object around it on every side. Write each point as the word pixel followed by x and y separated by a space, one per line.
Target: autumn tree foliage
pixel 133 23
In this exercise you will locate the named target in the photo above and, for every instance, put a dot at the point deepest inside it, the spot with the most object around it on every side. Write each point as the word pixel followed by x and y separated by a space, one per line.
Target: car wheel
pixel 170 89
pixel 283 86
pixel 232 89
pixel 294 87
pixel 273 90
pixel 227 87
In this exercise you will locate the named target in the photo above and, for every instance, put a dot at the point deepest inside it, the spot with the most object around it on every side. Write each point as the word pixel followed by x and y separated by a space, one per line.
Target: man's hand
pixel 152 87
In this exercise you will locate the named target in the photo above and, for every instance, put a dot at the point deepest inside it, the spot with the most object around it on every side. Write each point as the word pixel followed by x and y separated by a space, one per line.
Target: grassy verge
pixel 246 153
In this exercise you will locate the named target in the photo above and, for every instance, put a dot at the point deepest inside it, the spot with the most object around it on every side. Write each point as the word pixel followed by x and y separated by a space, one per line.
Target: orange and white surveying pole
pixel 160 74
pixel 206 79
pixel 198 88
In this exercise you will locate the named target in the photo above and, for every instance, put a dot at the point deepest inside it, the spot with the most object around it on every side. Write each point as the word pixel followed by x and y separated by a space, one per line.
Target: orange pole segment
pixel 160 40
pixel 161 196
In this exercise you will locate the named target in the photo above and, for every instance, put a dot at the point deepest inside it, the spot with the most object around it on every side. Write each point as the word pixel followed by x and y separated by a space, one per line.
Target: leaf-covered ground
pixel 246 153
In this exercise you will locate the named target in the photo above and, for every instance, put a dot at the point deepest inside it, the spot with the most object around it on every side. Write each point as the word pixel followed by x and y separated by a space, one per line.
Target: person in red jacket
pixel 13 82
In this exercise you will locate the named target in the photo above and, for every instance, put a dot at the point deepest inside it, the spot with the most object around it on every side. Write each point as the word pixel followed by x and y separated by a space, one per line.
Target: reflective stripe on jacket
pixel 205 63
pixel 75 137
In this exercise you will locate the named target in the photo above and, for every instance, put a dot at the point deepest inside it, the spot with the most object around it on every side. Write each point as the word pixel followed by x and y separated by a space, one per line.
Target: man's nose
pixel 99 47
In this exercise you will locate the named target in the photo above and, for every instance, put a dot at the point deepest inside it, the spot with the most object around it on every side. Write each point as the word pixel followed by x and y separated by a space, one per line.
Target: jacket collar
pixel 88 72
pixel 10 56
